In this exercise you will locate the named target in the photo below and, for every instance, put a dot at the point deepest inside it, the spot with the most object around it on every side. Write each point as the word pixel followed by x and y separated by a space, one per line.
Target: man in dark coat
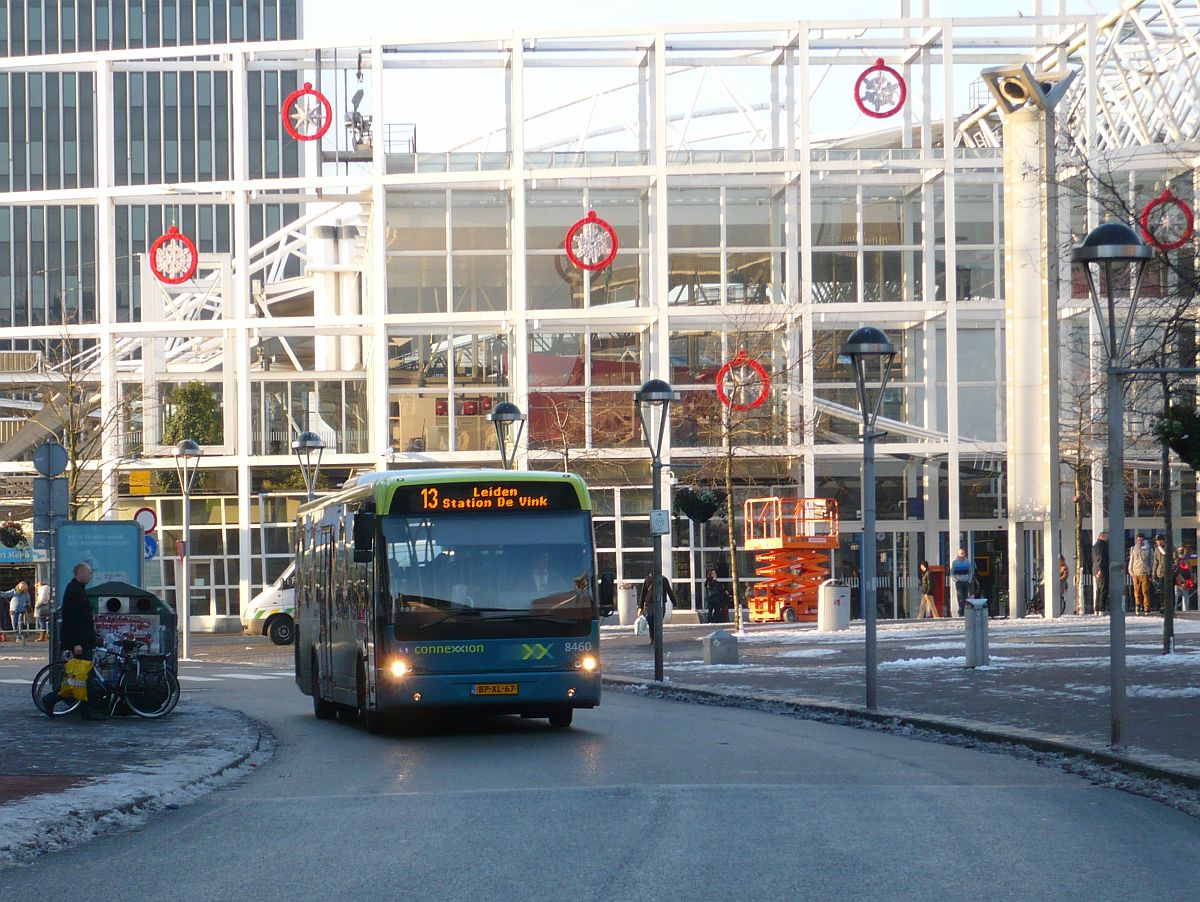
pixel 646 599
pixel 1100 564
pixel 78 632
pixel 78 635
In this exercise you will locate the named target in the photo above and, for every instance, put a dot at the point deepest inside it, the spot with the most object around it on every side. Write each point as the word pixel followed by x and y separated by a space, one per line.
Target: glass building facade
pixel 389 283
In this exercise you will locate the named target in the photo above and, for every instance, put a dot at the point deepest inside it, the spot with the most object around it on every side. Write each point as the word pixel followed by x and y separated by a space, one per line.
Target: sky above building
pixel 423 98
pixel 346 18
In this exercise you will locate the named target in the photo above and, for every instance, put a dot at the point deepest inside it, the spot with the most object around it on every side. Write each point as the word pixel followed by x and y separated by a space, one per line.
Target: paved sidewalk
pixel 1045 680
pixel 65 780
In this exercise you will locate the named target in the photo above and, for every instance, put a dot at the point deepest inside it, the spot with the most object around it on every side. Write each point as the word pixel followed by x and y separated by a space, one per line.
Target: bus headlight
pixel 398 667
pixel 589 663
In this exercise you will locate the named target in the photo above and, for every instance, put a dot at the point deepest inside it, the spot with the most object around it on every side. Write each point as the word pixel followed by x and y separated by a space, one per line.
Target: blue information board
pixel 114 549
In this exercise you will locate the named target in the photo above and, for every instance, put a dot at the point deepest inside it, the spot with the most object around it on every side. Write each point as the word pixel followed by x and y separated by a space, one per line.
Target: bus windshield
pixel 472 570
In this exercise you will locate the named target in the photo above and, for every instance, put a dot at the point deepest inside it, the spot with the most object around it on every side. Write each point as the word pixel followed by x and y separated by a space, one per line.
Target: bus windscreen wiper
pixel 450 615
pixel 542 618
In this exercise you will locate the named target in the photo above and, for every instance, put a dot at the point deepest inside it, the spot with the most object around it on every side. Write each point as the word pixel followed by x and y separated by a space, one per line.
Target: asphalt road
pixel 641 799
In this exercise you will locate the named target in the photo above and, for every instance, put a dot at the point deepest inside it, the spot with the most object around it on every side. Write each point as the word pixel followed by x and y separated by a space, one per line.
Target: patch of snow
pixel 918 663
pixel 807 653
pixel 32 826
pixel 1164 691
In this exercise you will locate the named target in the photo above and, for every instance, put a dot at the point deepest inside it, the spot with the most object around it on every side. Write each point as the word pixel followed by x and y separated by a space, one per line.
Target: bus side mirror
pixel 608 594
pixel 364 536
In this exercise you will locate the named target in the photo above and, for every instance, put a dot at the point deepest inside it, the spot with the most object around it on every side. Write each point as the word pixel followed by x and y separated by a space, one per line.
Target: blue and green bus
pixel 426 590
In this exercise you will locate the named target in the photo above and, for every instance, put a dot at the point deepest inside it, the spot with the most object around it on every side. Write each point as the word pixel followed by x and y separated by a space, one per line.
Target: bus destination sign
pixel 485 497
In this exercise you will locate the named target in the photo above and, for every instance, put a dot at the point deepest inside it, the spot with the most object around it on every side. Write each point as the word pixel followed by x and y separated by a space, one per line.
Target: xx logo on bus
pixel 537 651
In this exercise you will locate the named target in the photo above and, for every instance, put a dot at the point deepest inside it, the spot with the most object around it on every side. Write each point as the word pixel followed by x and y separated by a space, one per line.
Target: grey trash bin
pixel 977 632
pixel 833 606
pixel 720 647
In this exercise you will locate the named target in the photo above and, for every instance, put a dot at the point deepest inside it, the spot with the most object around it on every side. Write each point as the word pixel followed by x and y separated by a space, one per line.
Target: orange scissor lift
pixel 793 537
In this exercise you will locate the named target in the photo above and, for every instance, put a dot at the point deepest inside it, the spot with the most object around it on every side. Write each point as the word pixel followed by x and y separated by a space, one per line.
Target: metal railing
pixel 21 362
pixel 777 522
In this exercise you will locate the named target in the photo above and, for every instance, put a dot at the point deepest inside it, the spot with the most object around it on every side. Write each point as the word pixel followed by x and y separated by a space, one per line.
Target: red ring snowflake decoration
pixel 743 382
pixel 1167 222
pixel 880 91
pixel 591 243
pixel 173 257
pixel 307 114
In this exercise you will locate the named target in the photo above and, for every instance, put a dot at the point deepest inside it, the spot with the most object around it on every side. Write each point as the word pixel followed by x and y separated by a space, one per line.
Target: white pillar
pixel 375 301
pixel 1031 347
pixel 106 284
pixel 323 253
pixel 518 350
pixel 241 443
pixel 350 296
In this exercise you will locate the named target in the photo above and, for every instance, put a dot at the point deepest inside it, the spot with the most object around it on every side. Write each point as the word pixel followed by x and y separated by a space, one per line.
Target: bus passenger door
pixel 324 601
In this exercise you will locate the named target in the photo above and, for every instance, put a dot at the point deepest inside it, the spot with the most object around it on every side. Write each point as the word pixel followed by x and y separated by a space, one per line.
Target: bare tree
pixel 68 387
pixel 1164 334
pixel 749 413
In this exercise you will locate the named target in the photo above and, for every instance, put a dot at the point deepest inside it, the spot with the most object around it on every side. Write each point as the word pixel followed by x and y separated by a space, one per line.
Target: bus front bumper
pixel 499 692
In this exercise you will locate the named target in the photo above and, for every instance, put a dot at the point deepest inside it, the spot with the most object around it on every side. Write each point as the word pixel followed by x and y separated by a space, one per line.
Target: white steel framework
pixel 881 222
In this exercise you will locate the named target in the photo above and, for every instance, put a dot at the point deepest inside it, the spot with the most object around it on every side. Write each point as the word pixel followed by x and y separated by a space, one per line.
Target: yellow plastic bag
pixel 74 684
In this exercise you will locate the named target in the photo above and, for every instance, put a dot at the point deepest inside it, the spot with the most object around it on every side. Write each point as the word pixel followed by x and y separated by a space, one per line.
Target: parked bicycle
pixel 142 682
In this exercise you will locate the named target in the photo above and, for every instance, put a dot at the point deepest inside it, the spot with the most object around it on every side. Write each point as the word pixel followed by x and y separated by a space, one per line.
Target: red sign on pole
pixel 180 548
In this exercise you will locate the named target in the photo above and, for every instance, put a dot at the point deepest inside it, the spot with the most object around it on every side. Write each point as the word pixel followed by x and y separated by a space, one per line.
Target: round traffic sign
pixel 151 544
pixel 146 519
pixel 50 459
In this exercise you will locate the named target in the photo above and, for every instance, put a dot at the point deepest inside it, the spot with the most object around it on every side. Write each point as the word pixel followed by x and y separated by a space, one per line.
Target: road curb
pixel 31 826
pixel 1144 763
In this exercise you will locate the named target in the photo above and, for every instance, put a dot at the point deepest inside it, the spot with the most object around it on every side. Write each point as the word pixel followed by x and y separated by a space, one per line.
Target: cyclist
pixel 79 635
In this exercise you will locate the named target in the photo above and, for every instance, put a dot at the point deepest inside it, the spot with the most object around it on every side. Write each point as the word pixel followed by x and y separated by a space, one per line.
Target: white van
pixel 271 611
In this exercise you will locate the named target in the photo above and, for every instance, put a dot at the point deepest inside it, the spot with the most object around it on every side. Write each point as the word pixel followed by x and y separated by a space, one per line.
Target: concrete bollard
pixel 977 632
pixel 720 647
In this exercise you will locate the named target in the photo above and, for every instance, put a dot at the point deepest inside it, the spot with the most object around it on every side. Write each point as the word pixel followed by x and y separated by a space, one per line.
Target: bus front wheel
pixel 562 717
pixel 322 709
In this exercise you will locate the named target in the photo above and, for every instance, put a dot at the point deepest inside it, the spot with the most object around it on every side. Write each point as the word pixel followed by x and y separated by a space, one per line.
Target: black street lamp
pixel 653 401
pixel 504 417
pixel 1109 254
pixel 187 463
pixel 307 446
pixel 868 351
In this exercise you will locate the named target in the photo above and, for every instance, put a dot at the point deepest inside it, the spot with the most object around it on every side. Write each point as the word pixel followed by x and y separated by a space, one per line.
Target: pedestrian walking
pixel 1185 580
pixel 646 600
pixel 1140 568
pixel 1064 579
pixel 18 607
pixel 962 571
pixel 716 599
pixel 5 618
pixel 41 609
pixel 1100 565
pixel 1158 571
pixel 927 603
